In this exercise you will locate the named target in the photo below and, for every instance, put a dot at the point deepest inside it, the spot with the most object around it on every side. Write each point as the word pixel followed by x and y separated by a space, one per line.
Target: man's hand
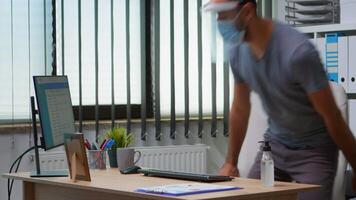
pixel 238 122
pixel 229 170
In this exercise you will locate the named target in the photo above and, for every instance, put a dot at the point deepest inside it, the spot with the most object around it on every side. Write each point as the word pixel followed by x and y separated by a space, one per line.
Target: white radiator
pixel 184 158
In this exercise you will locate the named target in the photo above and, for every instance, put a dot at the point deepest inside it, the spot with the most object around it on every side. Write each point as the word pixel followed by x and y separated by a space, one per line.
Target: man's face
pixel 231 14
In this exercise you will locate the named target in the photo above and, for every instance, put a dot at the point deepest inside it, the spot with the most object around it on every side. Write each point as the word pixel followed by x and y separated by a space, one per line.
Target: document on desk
pixel 186 189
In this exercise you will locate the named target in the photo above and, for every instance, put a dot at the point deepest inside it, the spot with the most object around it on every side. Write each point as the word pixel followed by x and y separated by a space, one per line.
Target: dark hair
pixel 243 2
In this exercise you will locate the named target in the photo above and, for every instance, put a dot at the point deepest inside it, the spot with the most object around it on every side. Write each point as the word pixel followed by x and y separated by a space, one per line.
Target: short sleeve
pixel 307 68
pixel 236 65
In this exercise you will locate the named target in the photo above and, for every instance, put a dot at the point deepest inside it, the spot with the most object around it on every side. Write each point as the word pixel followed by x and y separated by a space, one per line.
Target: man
pixel 283 68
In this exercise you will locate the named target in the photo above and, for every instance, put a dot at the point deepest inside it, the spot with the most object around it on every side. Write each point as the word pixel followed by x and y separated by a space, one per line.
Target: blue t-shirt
pixel 283 77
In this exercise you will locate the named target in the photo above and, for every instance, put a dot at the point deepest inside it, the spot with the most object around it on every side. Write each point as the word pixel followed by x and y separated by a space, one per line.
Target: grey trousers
pixel 310 166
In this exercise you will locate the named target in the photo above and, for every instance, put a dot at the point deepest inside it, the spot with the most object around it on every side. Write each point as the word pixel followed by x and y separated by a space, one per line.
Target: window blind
pixel 195 79
pixel 100 44
pixel 25 50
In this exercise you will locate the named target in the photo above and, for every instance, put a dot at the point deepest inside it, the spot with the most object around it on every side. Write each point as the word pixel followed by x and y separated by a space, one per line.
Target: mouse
pixel 130 170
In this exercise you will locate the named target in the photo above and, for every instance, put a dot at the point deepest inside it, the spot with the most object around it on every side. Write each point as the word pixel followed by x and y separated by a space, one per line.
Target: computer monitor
pixel 55 109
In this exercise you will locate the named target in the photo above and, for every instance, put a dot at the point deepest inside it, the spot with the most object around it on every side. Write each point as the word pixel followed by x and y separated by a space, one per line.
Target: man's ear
pixel 250 12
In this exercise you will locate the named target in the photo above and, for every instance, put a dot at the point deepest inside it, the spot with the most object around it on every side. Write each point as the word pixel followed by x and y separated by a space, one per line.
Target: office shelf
pixel 317 11
pixel 310 2
pixel 328 28
pixel 314 19
pixel 312 12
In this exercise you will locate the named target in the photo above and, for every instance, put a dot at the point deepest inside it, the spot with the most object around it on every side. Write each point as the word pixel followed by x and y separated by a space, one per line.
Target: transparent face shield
pixel 219 7
pixel 211 11
pixel 215 11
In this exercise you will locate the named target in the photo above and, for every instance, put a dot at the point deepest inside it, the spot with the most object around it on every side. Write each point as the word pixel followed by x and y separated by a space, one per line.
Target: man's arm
pixel 323 101
pixel 238 122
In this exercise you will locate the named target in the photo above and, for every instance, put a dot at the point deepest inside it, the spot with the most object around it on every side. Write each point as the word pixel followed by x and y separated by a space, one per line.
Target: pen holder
pixel 97 159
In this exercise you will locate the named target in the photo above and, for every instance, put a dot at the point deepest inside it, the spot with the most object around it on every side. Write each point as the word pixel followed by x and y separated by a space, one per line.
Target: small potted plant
pixel 122 139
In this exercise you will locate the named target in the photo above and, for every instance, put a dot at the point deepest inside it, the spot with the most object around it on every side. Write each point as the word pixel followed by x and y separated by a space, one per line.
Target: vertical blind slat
pixel 200 71
pixel 44 36
pixel 173 96
pixel 143 69
pixel 156 54
pixel 226 96
pixel 96 70
pixel 80 113
pixel 127 5
pixel 112 65
pixel 62 20
pixel 213 91
pixel 54 38
pixel 12 62
pixel 213 84
pixel 186 69
pixel 29 55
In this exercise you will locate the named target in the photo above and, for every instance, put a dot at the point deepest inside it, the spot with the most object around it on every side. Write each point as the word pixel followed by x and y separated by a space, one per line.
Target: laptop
pixel 185 176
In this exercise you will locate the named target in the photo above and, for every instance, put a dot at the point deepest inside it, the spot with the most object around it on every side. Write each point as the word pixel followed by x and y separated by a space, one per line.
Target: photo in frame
pixel 76 157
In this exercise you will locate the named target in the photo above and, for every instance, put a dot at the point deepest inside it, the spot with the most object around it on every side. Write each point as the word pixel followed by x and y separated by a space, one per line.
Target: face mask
pixel 229 32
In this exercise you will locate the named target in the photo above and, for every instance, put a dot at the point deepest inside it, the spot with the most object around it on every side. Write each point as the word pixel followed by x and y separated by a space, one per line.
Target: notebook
pixel 186 189
pixel 185 176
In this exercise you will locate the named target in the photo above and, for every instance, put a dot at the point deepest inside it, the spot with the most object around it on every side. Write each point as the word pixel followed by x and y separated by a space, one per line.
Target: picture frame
pixel 76 157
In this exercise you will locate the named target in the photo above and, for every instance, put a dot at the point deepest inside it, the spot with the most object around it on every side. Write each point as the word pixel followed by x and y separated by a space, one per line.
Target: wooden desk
pixel 110 184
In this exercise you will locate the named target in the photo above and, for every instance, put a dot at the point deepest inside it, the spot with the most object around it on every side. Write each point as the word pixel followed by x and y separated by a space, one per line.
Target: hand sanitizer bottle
pixel 267 165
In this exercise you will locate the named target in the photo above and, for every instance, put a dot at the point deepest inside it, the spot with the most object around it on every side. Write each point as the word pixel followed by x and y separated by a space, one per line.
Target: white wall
pixel 11 146
pixel 280 11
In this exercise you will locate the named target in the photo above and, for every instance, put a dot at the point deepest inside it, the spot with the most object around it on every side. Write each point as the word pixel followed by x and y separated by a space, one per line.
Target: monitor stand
pixel 38 172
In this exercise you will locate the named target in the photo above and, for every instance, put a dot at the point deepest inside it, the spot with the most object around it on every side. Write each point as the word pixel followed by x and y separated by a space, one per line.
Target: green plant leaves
pixel 120 136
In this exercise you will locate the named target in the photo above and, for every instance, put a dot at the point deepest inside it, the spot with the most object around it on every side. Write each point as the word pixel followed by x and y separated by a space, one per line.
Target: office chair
pixel 340 181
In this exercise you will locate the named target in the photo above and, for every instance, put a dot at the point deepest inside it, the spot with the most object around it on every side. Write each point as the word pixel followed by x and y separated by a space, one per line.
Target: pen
pixel 102 148
pixel 87 144
pixel 109 144
pixel 103 144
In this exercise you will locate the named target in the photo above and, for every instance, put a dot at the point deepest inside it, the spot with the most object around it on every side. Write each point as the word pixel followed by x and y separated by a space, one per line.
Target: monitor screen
pixel 55 109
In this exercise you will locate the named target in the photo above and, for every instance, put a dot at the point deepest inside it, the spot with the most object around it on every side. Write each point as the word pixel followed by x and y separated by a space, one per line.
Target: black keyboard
pixel 185 176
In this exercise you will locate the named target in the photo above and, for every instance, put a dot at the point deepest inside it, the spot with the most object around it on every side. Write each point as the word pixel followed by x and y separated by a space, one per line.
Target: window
pixel 212 53
pixel 25 50
pixel 109 49
pixel 112 63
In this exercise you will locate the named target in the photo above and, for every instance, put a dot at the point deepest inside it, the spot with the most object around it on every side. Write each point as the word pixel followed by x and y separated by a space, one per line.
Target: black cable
pixel 12 181
pixel 18 161
pixel 9 181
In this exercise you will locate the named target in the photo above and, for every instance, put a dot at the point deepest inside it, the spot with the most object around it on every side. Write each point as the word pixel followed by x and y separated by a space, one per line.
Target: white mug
pixel 125 157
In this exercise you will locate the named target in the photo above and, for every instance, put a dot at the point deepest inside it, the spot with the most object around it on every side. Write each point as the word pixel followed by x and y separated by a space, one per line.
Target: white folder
pixel 352 64
pixel 343 62
pixel 352 115
pixel 320 45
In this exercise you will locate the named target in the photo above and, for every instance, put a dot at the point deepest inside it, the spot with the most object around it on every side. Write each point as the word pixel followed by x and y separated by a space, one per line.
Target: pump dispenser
pixel 267 165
